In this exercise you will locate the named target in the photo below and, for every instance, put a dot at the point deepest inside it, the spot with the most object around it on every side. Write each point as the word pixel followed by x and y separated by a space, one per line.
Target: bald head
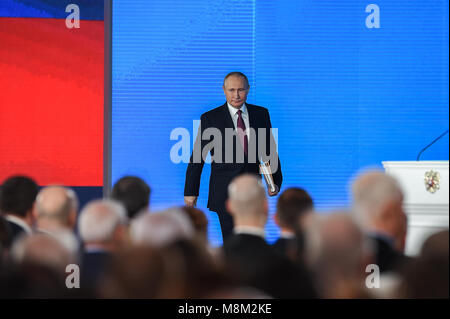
pixel 57 203
pixel 247 198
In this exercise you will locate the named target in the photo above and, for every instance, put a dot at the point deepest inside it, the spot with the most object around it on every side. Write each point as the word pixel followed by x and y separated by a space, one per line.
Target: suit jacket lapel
pixel 226 115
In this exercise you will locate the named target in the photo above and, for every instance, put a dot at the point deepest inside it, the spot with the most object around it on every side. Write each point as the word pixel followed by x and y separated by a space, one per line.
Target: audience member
pixel 56 214
pixel 17 198
pixel 293 208
pixel 427 276
pixel 102 228
pixel 133 193
pixel 338 252
pixel 378 207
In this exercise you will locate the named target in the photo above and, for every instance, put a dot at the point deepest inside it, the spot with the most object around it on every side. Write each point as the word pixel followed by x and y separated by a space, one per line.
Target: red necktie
pixel 241 131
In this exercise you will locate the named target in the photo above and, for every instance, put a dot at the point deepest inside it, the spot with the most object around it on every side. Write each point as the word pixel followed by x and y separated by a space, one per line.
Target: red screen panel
pixel 51 100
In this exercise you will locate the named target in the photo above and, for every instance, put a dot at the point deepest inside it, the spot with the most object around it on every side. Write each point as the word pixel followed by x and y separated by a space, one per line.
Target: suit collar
pixel 251 114
pixel 227 116
pixel 233 110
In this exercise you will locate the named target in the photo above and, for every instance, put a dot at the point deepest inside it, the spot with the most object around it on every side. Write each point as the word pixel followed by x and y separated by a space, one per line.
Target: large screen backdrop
pixel 348 85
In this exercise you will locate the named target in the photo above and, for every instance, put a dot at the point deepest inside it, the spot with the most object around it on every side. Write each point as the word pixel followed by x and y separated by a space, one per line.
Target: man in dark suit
pixel 103 226
pixel 249 259
pixel 238 136
pixel 17 198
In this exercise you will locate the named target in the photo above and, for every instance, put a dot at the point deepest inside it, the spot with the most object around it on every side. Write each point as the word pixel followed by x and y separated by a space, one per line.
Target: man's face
pixel 236 91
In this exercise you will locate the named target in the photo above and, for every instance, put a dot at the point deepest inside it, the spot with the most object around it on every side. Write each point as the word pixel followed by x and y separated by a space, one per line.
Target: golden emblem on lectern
pixel 432 180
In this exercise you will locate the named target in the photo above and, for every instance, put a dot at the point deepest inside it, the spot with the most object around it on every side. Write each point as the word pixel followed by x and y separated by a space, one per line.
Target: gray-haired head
pixel 99 220
pixel 161 228
pixel 371 192
pixel 336 249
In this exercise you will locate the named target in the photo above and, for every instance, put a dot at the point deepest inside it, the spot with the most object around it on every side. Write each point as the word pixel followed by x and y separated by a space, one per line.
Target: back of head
pixel 99 220
pixel 291 205
pixel 56 203
pixel 161 228
pixel 372 191
pixel 17 195
pixel 141 271
pixel 198 220
pixel 133 193
pixel 247 199
pixel 336 250
pixel 42 249
pixel 427 276
pixel 436 246
pixel 38 268
pixel 339 239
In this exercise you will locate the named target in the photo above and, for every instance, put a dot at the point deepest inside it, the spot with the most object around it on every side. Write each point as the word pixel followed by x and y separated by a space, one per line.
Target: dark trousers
pixel 226 223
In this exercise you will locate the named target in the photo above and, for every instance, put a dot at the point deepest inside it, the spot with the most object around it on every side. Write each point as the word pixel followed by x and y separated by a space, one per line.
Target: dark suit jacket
pixel 286 246
pixel 224 169
pixel 387 258
pixel 93 266
pixel 251 261
pixel 16 230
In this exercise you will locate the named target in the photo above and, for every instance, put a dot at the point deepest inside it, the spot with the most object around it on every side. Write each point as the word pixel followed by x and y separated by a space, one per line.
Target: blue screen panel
pixel 343 96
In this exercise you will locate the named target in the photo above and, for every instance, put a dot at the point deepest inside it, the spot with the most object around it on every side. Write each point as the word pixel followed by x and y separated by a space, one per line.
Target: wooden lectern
pixel 425 185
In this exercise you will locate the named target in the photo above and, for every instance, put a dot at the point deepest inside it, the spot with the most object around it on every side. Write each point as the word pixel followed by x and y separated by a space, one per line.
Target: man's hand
pixel 190 201
pixel 275 192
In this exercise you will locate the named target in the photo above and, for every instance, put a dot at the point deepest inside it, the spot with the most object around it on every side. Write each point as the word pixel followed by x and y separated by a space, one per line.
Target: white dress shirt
pixel 245 117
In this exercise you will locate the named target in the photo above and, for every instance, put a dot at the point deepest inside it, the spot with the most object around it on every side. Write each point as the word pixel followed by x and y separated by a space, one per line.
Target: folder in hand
pixel 265 170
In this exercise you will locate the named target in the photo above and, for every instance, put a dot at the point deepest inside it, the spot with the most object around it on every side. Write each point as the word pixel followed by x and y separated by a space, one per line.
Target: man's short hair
pixel 235 73
pixel 17 195
pixel 293 203
pixel 133 193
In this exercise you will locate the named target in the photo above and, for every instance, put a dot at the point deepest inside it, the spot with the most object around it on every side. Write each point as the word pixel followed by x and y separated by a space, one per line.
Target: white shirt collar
pixel 251 230
pixel 20 222
pixel 234 110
